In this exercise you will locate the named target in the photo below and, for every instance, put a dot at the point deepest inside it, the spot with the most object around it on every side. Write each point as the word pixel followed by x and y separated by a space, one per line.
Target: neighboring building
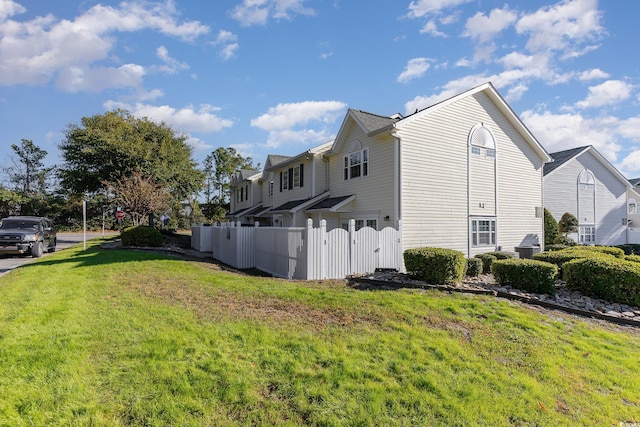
pixel 582 182
pixel 464 174
pixel 245 194
pixel 633 211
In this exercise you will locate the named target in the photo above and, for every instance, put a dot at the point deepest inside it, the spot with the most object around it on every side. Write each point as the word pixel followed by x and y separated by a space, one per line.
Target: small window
pixel 366 222
pixel 356 164
pixel 475 150
pixel 483 232
pixel 491 154
pixel 296 177
pixel 587 234
pixel 633 206
pixel 270 188
pixel 285 181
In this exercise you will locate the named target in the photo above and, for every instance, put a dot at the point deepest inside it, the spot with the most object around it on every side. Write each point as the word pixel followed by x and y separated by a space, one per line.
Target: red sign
pixel 120 214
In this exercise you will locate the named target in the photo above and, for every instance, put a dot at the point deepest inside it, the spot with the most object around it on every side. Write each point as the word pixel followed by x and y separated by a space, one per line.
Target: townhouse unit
pixel 464 174
pixel 584 183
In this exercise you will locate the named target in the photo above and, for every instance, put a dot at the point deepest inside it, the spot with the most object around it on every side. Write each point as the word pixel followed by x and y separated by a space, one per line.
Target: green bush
pixel 526 274
pixel 556 247
pixel 550 229
pixel 560 257
pixel 609 250
pixel 474 267
pixel 487 260
pixel 141 236
pixel 632 258
pixel 435 265
pixel 564 240
pixel 503 255
pixel 608 278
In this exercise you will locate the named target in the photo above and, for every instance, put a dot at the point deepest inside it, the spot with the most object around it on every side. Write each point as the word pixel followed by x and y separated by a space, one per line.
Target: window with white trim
pixel 356 164
pixel 292 178
pixel 482 142
pixel 271 188
pixel 587 234
pixel 483 231
pixel 367 222
pixel 633 206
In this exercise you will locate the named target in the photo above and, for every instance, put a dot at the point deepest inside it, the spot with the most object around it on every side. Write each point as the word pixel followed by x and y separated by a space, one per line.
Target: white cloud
pixel 593 74
pixel 558 132
pixel 9 8
pixel 607 93
pixel 630 165
pixel 228 43
pixel 292 123
pixel 415 69
pixel 258 12
pixel 484 28
pixel 188 119
pixel 421 8
pixel 563 26
pixel 75 52
pixel 431 28
pixel 171 65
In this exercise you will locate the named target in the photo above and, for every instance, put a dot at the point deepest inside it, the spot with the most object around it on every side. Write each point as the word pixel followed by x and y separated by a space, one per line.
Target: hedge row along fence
pixel 596 271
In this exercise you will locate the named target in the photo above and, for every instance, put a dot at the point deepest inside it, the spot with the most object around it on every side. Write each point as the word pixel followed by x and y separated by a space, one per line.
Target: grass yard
pixel 112 337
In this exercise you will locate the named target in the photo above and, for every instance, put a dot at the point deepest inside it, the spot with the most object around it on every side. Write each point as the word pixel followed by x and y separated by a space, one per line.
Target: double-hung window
pixel 292 178
pixel 483 231
pixel 356 164
pixel 587 234
pixel 271 188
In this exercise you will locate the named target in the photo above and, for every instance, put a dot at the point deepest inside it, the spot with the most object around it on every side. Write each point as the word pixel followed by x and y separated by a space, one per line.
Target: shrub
pixel 560 257
pixel 435 265
pixel 550 229
pixel 526 274
pixel 608 278
pixel 503 255
pixel 556 247
pixel 474 267
pixel 609 250
pixel 141 236
pixel 487 260
pixel 568 224
pixel 564 240
pixel 632 258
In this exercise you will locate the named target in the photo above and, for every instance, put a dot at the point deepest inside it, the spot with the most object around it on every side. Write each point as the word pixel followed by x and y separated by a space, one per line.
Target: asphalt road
pixel 64 241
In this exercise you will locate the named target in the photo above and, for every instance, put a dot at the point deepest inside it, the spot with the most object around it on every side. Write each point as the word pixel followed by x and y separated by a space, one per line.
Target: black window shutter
pixel 281 182
pixel 290 177
pixel 301 175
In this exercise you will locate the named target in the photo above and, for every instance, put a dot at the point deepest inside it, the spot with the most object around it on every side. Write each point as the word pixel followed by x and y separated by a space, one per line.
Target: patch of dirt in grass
pixel 217 304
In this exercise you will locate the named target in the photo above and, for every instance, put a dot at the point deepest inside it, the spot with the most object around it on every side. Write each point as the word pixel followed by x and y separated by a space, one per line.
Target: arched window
pixel 633 206
pixel 482 141
pixel 586 179
pixel 587 207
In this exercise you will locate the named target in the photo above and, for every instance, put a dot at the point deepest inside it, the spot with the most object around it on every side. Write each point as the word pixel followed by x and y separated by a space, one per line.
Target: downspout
pixel 469 236
pixel 397 187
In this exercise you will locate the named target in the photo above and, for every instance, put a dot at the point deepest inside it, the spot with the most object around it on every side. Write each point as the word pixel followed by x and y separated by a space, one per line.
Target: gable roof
pixel 273 160
pixel 372 124
pixel 634 181
pixel 562 157
pixel 502 105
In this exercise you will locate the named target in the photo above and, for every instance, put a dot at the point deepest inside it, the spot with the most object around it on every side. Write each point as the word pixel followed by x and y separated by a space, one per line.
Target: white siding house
pixel 464 174
pixel 582 182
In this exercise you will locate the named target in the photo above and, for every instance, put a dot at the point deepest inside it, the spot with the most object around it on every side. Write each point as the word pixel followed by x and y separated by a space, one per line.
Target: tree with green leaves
pixel 550 228
pixel 219 167
pixel 568 224
pixel 107 148
pixel 29 178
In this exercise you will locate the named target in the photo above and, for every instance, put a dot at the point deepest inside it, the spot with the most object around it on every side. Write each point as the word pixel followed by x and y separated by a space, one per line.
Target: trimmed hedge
pixel 487 260
pixel 503 254
pixel 559 258
pixel 556 247
pixel 526 274
pixel 632 258
pixel 609 250
pixel 141 236
pixel 474 267
pixel 435 265
pixel 607 278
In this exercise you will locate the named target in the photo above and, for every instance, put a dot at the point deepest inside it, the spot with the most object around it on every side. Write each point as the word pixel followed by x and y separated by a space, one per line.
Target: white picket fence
pixel 302 253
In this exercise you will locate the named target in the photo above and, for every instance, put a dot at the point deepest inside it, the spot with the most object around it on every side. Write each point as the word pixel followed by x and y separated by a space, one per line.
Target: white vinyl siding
pixel 375 192
pixel 561 195
pixel 435 179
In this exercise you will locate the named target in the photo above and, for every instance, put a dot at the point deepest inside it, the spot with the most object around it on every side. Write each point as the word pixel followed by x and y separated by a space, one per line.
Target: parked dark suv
pixel 27 234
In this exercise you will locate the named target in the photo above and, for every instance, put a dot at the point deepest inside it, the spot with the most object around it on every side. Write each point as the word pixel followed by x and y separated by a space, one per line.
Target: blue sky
pixel 277 76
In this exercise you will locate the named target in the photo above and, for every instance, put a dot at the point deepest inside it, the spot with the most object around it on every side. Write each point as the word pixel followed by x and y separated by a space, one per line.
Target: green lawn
pixel 111 337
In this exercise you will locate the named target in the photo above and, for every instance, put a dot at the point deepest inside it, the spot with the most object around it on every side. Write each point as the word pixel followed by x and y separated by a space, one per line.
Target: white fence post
pixel 323 252
pixel 352 245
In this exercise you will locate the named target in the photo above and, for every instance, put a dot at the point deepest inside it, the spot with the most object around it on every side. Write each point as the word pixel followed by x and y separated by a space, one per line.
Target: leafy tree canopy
pixel 105 148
